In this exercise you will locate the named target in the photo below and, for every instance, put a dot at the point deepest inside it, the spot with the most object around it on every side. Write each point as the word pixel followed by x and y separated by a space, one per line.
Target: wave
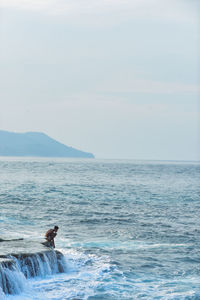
pixel 15 270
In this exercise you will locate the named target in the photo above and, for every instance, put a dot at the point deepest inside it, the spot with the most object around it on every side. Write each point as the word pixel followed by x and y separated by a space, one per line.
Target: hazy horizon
pixel 119 79
pixel 79 158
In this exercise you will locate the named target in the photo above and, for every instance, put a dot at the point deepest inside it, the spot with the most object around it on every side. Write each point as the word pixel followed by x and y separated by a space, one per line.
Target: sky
pixel 118 78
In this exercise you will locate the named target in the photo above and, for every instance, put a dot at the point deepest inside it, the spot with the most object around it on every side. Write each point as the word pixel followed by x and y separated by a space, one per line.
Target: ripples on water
pixel 129 230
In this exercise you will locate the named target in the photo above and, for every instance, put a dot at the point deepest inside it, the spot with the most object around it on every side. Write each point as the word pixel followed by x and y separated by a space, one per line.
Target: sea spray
pixel 139 221
pixel 15 270
pixel 12 280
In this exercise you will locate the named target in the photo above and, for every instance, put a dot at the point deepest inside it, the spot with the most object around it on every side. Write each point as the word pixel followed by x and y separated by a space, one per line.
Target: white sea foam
pixel 83 274
pixel 128 229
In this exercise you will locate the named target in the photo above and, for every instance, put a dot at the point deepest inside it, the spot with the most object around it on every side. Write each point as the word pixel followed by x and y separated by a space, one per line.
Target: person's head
pixel 56 228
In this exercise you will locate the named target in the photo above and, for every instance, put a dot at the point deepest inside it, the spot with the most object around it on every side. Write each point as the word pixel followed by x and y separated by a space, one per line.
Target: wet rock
pixel 21 259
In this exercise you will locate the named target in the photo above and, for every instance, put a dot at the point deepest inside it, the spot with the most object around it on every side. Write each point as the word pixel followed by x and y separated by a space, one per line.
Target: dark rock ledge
pixel 25 259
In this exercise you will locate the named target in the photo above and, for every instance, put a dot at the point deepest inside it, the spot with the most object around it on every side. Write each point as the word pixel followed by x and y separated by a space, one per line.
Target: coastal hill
pixel 36 144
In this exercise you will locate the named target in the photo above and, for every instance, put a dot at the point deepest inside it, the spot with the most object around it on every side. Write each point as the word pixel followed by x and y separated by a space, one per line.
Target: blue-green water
pixel 128 229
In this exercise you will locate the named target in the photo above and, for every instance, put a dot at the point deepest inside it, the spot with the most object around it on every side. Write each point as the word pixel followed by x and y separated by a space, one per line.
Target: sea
pixel 127 229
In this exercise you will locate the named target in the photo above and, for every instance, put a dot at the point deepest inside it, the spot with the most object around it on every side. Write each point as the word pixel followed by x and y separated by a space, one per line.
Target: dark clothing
pixel 50 235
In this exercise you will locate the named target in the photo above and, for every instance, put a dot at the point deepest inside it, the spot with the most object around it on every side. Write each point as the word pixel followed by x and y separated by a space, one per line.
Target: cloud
pixel 147 86
pixel 176 10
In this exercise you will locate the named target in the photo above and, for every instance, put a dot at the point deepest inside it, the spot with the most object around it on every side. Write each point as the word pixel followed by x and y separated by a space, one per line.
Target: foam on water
pixel 12 280
pixel 83 274
pixel 128 230
pixel 15 271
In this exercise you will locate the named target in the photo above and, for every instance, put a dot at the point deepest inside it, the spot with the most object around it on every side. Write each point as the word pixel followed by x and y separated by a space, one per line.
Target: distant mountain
pixel 36 144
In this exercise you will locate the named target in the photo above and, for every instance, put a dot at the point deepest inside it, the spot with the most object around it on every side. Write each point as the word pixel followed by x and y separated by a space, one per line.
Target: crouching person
pixel 50 235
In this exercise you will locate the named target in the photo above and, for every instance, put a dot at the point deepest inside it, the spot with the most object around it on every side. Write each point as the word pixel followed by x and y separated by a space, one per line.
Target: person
pixel 50 235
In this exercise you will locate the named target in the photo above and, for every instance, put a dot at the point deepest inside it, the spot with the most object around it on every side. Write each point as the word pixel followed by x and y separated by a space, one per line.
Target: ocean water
pixel 128 229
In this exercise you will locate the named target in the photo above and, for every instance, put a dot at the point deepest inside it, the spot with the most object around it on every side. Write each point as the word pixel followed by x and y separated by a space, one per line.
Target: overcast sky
pixel 118 78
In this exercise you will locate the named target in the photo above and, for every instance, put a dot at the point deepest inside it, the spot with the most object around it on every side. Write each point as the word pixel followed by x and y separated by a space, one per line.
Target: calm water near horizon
pixel 128 229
